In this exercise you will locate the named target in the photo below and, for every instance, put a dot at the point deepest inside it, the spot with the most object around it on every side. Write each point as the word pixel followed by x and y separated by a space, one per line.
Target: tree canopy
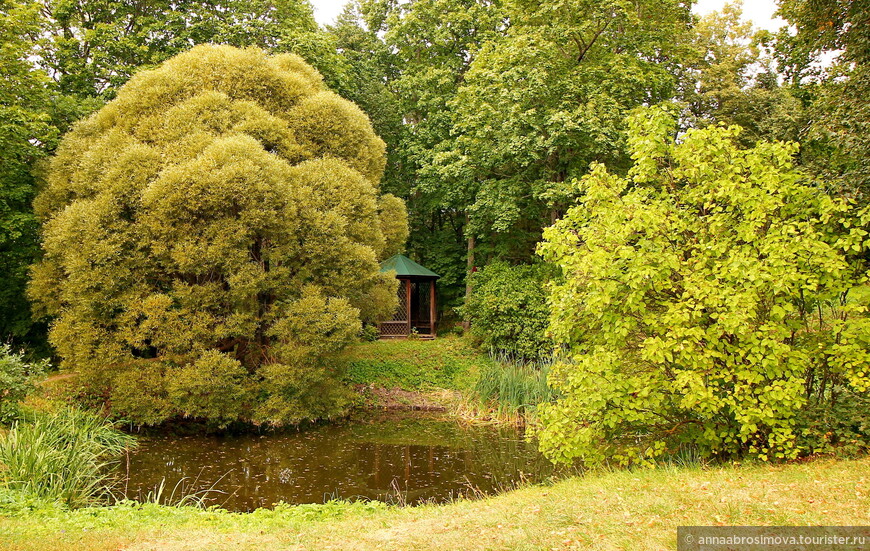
pixel 539 105
pixel 217 226
pixel 92 48
pixel 828 60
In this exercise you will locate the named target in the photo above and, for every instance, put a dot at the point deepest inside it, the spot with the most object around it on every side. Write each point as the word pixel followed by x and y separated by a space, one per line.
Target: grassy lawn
pixel 618 510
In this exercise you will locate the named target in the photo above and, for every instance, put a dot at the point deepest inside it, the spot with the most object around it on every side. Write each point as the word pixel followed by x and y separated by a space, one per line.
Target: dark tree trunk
pixel 469 266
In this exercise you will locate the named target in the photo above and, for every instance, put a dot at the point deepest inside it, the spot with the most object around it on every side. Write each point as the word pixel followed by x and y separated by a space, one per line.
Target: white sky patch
pixel 325 11
pixel 760 12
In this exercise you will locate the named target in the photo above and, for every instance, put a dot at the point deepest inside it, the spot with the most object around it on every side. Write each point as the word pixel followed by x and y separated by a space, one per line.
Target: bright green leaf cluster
pixel 705 300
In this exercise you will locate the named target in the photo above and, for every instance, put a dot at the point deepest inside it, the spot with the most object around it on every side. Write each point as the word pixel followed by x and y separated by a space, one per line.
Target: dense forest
pixel 489 110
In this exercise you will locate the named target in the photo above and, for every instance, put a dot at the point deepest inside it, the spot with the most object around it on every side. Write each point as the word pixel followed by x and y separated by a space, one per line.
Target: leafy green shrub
pixel 18 378
pixel 370 333
pixel 508 309
pixel 840 425
pixel 705 302
pixel 62 456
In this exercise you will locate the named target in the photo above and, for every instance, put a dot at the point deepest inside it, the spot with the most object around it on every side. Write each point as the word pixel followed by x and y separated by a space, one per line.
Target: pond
pixel 404 459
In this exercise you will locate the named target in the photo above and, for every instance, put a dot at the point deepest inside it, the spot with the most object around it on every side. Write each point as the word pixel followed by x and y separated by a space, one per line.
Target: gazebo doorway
pixel 417 305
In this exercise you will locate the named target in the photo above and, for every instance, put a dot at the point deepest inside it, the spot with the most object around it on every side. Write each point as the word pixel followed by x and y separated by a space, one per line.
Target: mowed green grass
pixel 617 510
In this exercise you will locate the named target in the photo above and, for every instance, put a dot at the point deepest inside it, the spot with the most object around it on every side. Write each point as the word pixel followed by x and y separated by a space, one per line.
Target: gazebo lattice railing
pixel 398 326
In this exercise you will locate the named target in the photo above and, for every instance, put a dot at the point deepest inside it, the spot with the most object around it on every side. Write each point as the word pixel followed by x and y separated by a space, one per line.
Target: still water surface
pixel 406 459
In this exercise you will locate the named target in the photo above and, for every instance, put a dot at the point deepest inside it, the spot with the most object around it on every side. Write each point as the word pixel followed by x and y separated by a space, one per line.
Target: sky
pixel 325 11
pixel 759 11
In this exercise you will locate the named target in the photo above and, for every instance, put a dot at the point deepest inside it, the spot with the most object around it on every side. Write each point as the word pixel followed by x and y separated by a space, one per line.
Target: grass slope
pixel 619 510
pixel 412 364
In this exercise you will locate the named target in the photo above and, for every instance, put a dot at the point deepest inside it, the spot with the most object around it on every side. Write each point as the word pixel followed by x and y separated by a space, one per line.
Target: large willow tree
pixel 212 235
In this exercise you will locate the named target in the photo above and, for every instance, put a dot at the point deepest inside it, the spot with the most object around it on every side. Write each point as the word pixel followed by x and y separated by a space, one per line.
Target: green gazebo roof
pixel 405 267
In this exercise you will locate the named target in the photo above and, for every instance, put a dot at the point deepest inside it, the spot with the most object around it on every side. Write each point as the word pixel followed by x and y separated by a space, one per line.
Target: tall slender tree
pixel 26 133
pixel 435 43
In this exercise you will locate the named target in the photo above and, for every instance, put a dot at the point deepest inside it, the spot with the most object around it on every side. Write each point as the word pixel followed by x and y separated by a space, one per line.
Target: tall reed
pixel 514 386
pixel 63 456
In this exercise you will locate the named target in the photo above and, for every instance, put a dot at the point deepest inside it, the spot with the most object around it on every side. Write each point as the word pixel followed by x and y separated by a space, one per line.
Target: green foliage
pixel 836 140
pixel 734 81
pixel 370 333
pixel 367 64
pixel 93 48
pixel 25 132
pixel 137 392
pixel 211 235
pixel 62 456
pixel 704 301
pixel 839 137
pixel 298 392
pixel 840 425
pixel 18 378
pixel 508 310
pixel 213 387
pixel 825 25
pixel 541 103
pixel 434 43
pixel 394 225
pixel 448 362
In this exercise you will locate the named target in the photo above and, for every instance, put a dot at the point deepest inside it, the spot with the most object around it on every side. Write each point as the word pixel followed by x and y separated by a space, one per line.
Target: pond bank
pixel 398 399
pixel 401 375
pixel 623 509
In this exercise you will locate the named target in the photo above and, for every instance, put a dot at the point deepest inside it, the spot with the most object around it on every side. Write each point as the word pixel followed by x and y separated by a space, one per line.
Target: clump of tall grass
pixel 62 456
pixel 513 387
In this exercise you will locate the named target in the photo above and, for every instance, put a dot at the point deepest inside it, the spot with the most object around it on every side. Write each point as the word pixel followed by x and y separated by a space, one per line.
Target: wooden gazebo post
pixel 433 311
pixel 408 304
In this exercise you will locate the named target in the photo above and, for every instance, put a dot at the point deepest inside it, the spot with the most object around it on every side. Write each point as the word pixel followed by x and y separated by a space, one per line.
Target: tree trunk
pixel 469 267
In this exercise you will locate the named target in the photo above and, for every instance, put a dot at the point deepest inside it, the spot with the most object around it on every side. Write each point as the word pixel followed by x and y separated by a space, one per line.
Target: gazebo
pixel 416 312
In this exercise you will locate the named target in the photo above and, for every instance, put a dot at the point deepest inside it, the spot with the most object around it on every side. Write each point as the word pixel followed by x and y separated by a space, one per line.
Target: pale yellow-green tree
pixel 710 300
pixel 211 236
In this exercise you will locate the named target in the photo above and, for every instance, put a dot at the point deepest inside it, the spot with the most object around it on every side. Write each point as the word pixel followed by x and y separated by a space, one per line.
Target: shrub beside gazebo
pixel 417 305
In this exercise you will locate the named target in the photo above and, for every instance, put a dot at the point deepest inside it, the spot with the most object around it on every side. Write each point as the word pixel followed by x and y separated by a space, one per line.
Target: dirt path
pixel 398 399
pixel 58 377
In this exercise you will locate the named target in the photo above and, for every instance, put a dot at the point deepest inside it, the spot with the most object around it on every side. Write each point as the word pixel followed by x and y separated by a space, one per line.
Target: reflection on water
pixel 405 459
